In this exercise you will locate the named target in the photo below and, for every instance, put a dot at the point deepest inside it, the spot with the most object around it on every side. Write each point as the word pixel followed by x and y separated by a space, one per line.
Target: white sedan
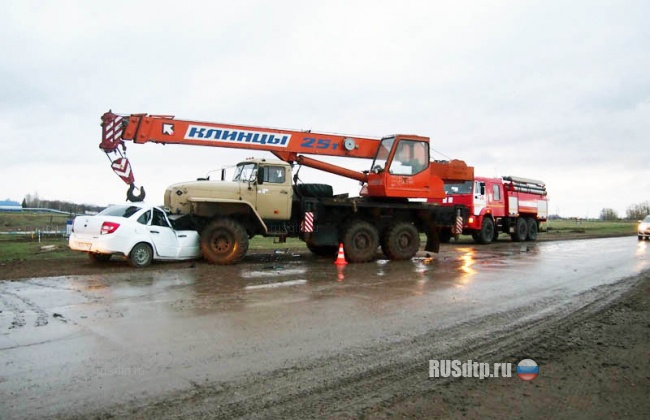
pixel 138 231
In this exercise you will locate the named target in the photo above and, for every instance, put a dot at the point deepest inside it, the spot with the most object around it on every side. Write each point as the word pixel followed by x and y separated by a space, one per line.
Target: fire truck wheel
pixel 521 230
pixel 402 241
pixel 486 234
pixel 224 242
pixel 323 250
pixel 360 241
pixel 532 229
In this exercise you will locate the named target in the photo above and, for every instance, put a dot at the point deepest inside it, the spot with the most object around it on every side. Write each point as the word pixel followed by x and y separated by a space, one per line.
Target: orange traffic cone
pixel 340 259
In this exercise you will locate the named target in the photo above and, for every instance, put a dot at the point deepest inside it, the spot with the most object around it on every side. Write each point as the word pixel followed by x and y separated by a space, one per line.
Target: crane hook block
pixel 135 198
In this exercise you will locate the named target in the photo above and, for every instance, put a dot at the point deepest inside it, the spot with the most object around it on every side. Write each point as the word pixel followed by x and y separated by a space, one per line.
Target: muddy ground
pixel 593 364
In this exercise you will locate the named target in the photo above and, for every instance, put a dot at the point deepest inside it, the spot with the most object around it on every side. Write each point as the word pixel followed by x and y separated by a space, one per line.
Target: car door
pixel 162 235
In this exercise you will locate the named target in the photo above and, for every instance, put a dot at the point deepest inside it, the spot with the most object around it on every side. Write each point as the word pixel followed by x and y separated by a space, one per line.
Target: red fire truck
pixel 511 205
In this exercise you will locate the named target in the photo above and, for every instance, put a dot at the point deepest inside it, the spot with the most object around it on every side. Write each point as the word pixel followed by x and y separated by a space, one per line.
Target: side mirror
pixel 260 177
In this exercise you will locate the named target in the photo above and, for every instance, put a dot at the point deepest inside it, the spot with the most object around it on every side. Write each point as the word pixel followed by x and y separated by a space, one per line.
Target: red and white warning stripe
pixel 458 228
pixel 308 222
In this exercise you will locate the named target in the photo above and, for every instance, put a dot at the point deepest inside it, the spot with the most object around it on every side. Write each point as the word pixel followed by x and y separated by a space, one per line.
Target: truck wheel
pixel 445 236
pixel 323 250
pixel 360 241
pixel 496 234
pixel 224 241
pixel 486 234
pixel 402 241
pixel 99 258
pixel 521 230
pixel 532 229
pixel 141 255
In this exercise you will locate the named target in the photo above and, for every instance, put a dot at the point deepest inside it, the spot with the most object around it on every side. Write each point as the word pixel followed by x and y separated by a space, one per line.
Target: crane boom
pixel 292 146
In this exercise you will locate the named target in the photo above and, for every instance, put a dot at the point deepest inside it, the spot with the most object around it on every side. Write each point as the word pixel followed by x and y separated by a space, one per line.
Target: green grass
pixel 30 221
pixel 591 227
pixel 25 248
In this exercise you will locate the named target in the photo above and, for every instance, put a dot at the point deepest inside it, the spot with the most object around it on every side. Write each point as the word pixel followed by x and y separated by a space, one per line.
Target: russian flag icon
pixel 527 369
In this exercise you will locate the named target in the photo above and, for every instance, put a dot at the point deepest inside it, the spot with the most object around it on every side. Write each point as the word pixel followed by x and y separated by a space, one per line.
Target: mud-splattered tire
pixel 532 230
pixel 486 235
pixel 224 242
pixel 323 250
pixel 402 241
pixel 99 258
pixel 141 255
pixel 521 230
pixel 360 241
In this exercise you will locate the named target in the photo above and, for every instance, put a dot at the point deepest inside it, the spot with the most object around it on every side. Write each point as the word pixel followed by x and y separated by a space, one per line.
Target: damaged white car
pixel 138 231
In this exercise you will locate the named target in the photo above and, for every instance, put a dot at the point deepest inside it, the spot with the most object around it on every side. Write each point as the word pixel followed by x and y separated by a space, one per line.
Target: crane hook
pixel 132 197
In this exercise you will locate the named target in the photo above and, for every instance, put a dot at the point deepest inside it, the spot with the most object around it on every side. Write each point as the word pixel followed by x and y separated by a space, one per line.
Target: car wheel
pixel 401 241
pixel 360 241
pixel 224 242
pixel 99 258
pixel 141 255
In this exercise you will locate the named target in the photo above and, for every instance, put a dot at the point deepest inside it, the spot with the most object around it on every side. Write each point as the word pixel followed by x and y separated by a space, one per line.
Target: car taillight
pixel 109 227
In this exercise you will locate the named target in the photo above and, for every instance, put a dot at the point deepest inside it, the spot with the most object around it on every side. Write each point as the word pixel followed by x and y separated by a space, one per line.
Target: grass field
pixel 29 245
pixel 593 227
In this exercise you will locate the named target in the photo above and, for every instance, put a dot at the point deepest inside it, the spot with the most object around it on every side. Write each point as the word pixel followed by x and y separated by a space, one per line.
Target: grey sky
pixel 552 90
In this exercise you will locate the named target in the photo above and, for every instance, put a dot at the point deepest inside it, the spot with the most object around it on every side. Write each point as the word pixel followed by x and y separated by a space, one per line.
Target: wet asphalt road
pixel 86 344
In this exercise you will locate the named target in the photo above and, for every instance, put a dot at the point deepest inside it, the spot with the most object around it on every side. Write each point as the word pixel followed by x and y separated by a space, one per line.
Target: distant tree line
pixel 33 201
pixel 634 212
pixel 638 211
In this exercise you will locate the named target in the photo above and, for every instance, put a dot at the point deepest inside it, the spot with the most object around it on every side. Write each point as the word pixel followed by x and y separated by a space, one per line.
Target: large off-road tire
pixel 486 234
pixel 401 241
pixel 445 235
pixel 224 242
pixel 360 241
pixel 532 229
pixel 496 234
pixel 141 255
pixel 521 230
pixel 323 250
pixel 99 258
pixel 313 190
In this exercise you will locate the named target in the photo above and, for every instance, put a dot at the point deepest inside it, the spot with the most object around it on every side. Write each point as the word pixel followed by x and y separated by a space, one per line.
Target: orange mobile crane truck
pixel 262 200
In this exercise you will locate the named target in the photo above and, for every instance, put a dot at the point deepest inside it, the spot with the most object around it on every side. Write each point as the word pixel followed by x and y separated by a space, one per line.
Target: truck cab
pixel 260 191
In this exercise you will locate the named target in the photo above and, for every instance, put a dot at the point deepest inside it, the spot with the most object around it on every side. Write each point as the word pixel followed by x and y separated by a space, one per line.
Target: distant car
pixel 644 228
pixel 138 231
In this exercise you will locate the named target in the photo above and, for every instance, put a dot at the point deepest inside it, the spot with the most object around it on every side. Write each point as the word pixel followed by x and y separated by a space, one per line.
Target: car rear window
pixel 121 211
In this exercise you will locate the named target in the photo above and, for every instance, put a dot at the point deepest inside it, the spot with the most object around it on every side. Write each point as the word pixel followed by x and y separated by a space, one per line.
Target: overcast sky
pixel 552 90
